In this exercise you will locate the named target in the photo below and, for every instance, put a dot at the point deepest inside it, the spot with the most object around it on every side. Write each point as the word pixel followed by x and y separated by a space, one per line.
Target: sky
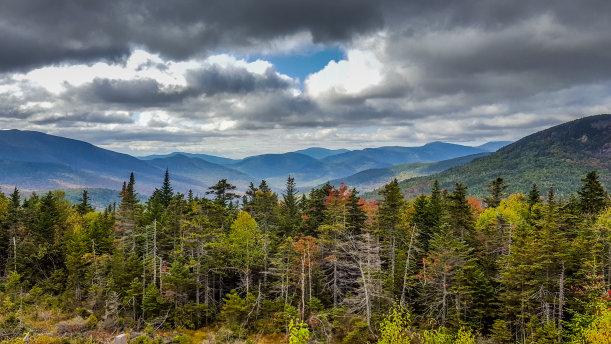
pixel 245 77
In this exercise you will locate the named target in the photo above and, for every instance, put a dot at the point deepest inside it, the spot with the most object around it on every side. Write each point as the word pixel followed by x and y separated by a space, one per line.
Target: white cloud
pixel 360 70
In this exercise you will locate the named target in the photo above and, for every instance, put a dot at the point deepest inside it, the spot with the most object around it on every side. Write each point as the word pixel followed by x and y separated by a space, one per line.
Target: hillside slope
pixel 37 161
pixel 383 157
pixel 373 178
pixel 556 157
pixel 202 171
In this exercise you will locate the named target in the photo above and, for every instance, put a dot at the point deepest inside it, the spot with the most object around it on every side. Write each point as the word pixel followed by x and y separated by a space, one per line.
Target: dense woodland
pixel 326 267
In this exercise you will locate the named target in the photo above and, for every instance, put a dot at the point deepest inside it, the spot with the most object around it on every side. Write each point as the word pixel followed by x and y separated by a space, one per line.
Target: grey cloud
pixel 209 81
pixel 39 32
pixel 142 92
pixel 214 80
pixel 88 117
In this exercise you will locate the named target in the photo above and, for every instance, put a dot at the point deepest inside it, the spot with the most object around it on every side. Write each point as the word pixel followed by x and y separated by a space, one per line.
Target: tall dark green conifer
pixel 592 195
pixel 15 199
pixel 355 220
pixel 223 192
pixel 290 207
pixel 534 196
pixel 84 205
pixel 459 211
pixel 125 217
pixel 166 192
pixel 496 190
pixel 389 216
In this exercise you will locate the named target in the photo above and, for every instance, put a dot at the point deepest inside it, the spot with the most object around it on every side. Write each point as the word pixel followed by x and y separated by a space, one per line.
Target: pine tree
pixel 314 209
pixel 126 216
pixel 534 196
pixel 459 210
pixel 15 199
pixel 592 195
pixel 290 208
pixel 166 192
pixel 223 192
pixel 84 206
pixel 355 221
pixel 445 293
pixel 496 190
pixel 392 202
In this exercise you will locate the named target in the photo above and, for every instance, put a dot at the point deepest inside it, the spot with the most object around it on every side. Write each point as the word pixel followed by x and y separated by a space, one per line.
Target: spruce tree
pixel 166 192
pixel 496 191
pixel 592 195
pixel 223 192
pixel 356 216
pixel 125 217
pixel 534 196
pixel 290 208
pixel 389 215
pixel 84 205
pixel 314 208
pixel 15 199
pixel 460 215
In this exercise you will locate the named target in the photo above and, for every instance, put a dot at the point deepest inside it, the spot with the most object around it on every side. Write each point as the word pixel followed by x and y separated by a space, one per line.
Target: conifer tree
pixel 444 276
pixel 15 199
pixel 459 210
pixel 223 192
pixel 166 191
pixel 84 206
pixel 592 195
pixel 496 191
pixel 314 209
pixel 126 216
pixel 355 221
pixel 392 202
pixel 534 196
pixel 290 208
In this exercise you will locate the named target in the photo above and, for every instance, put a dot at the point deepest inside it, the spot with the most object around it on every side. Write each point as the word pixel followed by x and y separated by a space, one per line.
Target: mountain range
pixel 38 161
pixel 557 157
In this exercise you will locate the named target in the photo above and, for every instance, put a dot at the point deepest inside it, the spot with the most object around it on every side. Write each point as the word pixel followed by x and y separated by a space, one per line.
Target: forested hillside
pixel 326 267
pixel 376 177
pixel 554 157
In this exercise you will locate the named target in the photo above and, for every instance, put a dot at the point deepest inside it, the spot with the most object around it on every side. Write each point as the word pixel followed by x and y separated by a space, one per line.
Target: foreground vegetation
pixel 328 267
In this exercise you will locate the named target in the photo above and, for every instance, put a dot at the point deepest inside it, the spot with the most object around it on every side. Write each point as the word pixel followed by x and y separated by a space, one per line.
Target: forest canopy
pixel 323 267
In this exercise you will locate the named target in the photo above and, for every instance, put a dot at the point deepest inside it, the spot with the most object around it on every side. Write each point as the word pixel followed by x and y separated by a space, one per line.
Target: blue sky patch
pixel 303 64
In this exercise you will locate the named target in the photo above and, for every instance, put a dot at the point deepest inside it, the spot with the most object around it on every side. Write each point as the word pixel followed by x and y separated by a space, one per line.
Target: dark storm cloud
pixel 141 92
pixel 40 32
pixel 89 117
pixel 207 81
pixel 215 80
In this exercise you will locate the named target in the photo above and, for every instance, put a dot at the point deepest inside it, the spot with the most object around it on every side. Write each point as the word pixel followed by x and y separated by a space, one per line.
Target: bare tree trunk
pixel 393 259
pixel 406 271
pixel 15 253
pixel 561 297
pixel 335 284
pixel 197 276
pixel 155 252
pixel 302 287
pixel 160 271
pixel 309 276
pixel 247 279
pixel 444 300
pixel 367 297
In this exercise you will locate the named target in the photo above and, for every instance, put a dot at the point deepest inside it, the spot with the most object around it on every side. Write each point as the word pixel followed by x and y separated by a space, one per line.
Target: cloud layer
pixel 157 76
